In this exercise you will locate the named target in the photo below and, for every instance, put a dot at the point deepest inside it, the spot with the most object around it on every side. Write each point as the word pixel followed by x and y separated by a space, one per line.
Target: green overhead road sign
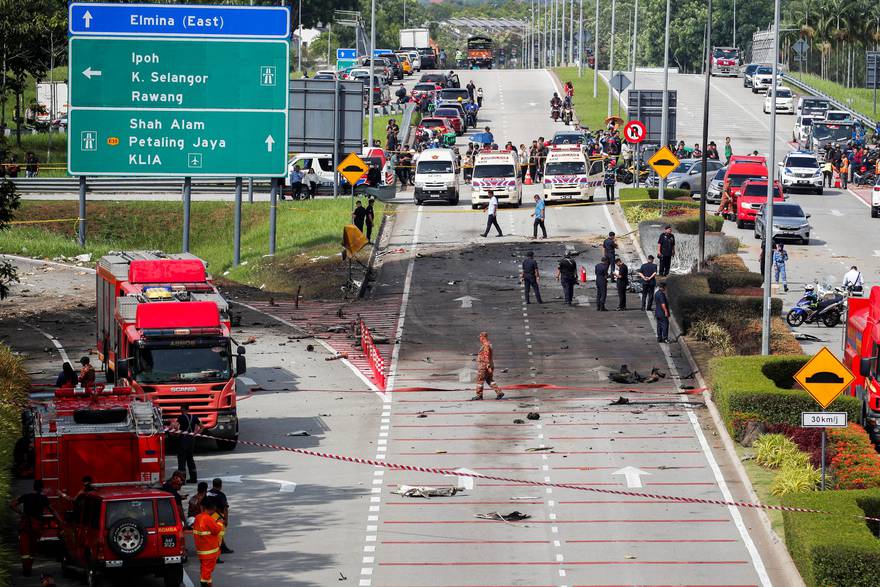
pixel 187 73
pixel 177 142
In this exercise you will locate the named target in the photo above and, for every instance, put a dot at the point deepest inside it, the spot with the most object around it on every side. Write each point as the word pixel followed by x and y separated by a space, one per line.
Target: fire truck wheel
pixel 127 537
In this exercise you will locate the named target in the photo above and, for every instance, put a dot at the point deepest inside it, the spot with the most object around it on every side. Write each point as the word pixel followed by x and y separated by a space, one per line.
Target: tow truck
pixel 164 328
pixel 861 353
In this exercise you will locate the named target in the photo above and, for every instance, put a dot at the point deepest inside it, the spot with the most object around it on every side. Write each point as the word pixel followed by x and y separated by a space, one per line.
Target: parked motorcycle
pixel 567 115
pixel 827 307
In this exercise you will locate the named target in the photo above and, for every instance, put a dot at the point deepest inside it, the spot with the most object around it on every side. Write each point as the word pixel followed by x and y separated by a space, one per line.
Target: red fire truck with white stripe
pixel 861 354
pixel 165 329
pixel 725 61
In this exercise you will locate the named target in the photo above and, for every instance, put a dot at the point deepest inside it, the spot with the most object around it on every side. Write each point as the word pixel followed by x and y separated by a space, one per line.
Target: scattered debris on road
pixel 513 516
pixel 533 416
pixel 619 401
pixel 539 449
pixel 336 357
pixel 298 433
pixel 425 491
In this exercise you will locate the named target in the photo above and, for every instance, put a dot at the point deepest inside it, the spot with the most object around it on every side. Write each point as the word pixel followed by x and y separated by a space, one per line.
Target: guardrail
pixel 55 185
pixel 870 124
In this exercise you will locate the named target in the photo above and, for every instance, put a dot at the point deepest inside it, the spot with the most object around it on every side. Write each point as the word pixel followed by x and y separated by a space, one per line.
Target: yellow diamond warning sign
pixel 824 377
pixel 663 162
pixel 352 168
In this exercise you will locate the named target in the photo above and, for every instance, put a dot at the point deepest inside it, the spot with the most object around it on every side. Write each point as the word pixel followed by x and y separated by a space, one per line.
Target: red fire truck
pixel 725 61
pixel 861 354
pixel 165 329
pixel 111 434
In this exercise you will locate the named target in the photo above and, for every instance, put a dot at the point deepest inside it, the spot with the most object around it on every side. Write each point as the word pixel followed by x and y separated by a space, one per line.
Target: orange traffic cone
pixel 528 180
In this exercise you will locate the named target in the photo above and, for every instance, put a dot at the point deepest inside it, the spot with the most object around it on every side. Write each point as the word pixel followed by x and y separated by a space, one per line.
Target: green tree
pixel 9 202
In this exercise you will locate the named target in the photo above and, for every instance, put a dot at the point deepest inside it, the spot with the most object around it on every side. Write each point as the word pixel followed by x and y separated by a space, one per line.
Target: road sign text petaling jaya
pixel 197 73
pixel 256 22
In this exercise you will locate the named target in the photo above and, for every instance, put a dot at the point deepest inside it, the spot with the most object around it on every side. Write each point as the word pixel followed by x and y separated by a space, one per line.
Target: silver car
pixel 789 223
pixel 716 185
pixel 689 174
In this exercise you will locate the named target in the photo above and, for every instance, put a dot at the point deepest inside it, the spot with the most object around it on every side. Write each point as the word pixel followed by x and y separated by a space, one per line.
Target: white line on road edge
pixel 320 341
pixel 858 197
pixel 757 562
pixel 54 341
pixel 187 582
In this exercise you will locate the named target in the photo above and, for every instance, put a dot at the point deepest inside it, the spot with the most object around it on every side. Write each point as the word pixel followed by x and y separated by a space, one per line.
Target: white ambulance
pixel 570 175
pixel 498 172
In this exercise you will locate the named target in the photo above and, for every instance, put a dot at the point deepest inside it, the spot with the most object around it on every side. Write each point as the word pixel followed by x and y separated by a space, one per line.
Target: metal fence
pixel 791 80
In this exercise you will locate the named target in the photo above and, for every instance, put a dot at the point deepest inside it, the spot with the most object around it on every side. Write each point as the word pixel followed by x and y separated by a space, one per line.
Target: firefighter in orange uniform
pixel 31 507
pixel 208 532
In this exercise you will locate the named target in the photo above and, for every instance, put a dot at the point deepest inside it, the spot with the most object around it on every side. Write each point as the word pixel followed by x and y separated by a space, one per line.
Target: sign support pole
pixel 876 59
pixel 81 235
pixel 336 135
pixel 701 257
pixel 250 190
pixel 236 235
pixel 823 459
pixel 638 163
pixel 273 213
pixel 187 197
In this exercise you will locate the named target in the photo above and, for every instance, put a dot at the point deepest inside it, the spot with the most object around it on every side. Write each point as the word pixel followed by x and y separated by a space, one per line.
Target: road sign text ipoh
pixel 178 90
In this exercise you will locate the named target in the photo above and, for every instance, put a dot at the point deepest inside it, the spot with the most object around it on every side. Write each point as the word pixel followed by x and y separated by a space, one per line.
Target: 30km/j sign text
pixel 143 142
pixel 197 73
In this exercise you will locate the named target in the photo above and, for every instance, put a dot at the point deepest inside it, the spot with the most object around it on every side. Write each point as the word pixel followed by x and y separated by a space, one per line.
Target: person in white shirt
pixel 492 209
pixel 853 281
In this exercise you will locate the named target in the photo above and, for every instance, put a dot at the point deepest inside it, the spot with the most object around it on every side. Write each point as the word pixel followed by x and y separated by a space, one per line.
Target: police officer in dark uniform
pixel 648 274
pixel 601 284
pixel 666 250
pixel 621 271
pixel 530 277
pixel 609 246
pixel 566 273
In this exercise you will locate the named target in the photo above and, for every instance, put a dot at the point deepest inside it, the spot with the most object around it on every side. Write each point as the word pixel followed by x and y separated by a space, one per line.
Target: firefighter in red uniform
pixel 208 533
pixel 31 507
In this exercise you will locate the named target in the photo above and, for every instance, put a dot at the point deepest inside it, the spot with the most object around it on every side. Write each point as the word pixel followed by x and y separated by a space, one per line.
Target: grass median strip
pixel 309 234
pixel 591 112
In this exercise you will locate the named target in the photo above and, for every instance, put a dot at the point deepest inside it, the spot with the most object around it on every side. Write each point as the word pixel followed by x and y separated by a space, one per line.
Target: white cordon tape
pixel 472 474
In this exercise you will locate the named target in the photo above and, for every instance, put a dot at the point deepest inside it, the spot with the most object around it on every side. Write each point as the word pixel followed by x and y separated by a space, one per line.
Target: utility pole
pixel 596 55
pixel 771 177
pixel 299 53
pixel 701 257
pixel 635 36
pixel 571 33
pixel 372 70
pixel 611 58
pixel 562 36
pixel 581 41
pixel 664 117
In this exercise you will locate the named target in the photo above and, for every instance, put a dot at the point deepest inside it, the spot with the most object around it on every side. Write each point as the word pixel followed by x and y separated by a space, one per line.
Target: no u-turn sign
pixel 634 131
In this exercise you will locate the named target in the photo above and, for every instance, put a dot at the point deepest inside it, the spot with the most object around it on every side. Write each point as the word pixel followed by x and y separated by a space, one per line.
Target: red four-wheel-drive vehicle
pixel 752 194
pixel 122 531
pixel 738 171
pixel 861 353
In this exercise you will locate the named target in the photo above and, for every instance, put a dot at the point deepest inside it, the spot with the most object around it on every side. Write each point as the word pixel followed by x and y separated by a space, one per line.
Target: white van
pixel 570 175
pixel 496 171
pixel 436 176
pixel 322 163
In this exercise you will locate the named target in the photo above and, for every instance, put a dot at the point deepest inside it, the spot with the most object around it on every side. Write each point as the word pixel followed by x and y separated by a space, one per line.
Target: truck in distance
pixel 480 52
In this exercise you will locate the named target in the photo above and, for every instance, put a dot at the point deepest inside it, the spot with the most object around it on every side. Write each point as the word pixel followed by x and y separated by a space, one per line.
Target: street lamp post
pixel 701 257
pixel 372 70
pixel 562 35
pixel 664 116
pixel 635 36
pixel 596 55
pixel 571 32
pixel 771 177
pixel 611 58
pixel 581 40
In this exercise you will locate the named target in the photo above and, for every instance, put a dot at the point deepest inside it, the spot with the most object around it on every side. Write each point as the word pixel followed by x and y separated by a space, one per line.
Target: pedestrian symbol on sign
pixel 267 75
pixel 88 140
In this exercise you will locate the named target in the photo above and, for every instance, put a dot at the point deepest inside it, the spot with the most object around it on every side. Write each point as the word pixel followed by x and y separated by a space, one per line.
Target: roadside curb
pixel 368 270
pixel 780 551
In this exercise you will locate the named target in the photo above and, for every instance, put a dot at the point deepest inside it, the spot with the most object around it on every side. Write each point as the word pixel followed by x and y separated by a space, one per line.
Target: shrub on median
pixel 761 387
pixel 696 296
pixel 840 549
pixel 652 194
pixel 14 384
pixel 855 463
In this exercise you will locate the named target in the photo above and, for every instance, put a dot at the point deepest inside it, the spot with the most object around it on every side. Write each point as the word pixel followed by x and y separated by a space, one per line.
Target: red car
pixel 124 531
pixel 453 118
pixel 754 193
pixel 440 125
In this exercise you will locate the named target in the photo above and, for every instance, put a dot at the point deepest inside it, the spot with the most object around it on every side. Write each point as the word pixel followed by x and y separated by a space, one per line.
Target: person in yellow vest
pixel 208 531
pixel 844 171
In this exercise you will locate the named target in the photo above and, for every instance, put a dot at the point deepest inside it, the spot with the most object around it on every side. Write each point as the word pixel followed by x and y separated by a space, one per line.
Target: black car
pixel 438 79
pixel 396 65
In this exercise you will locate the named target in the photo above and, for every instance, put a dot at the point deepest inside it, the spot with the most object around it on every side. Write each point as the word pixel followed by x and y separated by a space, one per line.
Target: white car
pixel 800 170
pixel 763 79
pixel 875 200
pixel 837 116
pixel 801 131
pixel 784 100
pixel 415 59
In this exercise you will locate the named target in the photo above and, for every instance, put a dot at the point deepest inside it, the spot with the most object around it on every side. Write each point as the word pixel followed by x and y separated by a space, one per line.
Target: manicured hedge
pixel 651 194
pixel 838 550
pixel 691 224
pixel 14 385
pixel 855 463
pixel 692 297
pixel 760 388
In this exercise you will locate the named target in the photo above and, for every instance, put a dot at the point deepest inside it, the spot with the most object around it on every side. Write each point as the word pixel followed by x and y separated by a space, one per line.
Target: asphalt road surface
pixel 438 286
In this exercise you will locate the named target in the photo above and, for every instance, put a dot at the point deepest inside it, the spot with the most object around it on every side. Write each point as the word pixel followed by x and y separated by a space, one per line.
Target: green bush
pixel 14 385
pixel 714 334
pixel 775 450
pixel 652 194
pixel 839 549
pixel 796 478
pixel 742 384
pixel 691 224
pixel 692 299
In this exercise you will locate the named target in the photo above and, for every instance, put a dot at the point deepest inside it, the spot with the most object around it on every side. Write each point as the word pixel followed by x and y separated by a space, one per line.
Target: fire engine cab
pixel 164 329
pixel 861 354
pixel 725 61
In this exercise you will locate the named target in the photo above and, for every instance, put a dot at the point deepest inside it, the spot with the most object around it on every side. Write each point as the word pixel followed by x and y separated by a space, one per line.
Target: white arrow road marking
pixel 269 142
pixel 583 300
pixel 464 481
pixel 467 301
pixel 88 18
pixel 836 212
pixel 90 73
pixel 285 486
pixel 633 476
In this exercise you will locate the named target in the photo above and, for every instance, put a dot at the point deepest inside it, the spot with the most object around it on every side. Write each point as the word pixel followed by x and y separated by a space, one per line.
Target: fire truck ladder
pixel 145 418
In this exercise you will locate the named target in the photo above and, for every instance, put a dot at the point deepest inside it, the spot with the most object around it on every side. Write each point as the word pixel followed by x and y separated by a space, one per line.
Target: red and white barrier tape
pixel 374 357
pixel 472 474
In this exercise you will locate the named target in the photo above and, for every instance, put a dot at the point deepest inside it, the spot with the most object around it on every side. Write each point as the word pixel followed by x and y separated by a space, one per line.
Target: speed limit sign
pixel 634 132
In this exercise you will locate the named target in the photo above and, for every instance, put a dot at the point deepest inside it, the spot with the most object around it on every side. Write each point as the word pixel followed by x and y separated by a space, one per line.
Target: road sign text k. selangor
pixel 178 90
